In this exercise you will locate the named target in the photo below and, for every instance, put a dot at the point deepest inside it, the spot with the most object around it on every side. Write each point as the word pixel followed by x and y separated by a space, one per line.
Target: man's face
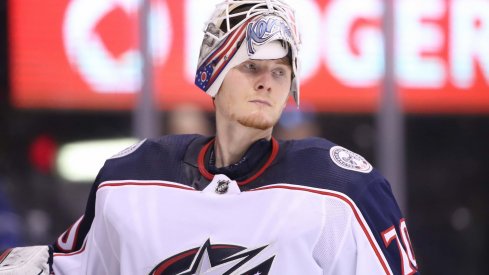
pixel 255 92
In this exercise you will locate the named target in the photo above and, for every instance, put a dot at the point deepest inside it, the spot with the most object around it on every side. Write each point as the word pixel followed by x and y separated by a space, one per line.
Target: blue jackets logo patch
pixel 346 159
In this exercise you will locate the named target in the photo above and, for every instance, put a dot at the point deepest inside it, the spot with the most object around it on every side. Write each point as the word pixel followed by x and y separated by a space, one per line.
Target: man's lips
pixel 261 101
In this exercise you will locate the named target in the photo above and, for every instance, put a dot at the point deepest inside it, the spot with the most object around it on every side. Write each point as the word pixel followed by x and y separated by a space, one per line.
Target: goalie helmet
pixel 247 29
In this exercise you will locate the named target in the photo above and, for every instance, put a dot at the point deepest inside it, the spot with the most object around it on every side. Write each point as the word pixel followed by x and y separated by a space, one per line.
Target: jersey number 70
pixel 408 261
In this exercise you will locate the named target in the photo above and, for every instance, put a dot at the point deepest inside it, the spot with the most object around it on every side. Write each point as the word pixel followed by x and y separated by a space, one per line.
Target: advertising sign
pixel 78 54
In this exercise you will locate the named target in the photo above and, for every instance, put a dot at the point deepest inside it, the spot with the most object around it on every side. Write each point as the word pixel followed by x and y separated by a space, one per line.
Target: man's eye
pixel 250 66
pixel 279 72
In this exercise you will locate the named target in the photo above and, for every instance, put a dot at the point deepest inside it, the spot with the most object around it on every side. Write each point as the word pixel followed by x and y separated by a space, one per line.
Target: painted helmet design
pixel 247 29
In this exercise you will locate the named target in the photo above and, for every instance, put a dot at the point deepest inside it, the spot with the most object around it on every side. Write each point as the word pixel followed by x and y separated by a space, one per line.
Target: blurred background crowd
pixel 50 146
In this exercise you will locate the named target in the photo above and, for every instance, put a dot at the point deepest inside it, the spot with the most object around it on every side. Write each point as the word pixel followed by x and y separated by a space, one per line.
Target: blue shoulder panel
pixel 309 163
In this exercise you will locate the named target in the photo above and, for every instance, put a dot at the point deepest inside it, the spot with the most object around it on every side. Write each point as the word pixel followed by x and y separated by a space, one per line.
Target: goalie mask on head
pixel 247 29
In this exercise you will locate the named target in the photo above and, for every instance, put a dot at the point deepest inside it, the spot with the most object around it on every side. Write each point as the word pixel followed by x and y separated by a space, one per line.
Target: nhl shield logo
pixel 222 186
pixel 346 159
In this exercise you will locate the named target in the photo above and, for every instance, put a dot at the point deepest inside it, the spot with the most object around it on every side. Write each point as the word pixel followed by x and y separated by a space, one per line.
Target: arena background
pixel 52 95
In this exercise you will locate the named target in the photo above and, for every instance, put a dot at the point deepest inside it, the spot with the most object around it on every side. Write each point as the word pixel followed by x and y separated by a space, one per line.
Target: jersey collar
pixel 209 175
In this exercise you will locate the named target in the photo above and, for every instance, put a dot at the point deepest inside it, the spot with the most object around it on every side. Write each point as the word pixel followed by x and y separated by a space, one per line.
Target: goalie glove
pixel 30 260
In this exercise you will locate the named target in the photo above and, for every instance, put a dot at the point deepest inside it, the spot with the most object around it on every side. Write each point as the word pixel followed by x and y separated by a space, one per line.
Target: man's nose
pixel 264 82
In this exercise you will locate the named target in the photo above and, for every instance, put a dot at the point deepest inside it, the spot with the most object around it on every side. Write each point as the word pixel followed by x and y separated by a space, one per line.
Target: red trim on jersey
pixel 175 259
pixel 71 253
pixel 343 198
pixel 116 184
pixel 200 160
pixel 165 264
pixel 5 254
pixel 209 176
pixel 66 235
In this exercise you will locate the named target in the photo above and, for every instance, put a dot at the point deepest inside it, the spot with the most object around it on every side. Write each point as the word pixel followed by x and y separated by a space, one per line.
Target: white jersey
pixel 149 225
